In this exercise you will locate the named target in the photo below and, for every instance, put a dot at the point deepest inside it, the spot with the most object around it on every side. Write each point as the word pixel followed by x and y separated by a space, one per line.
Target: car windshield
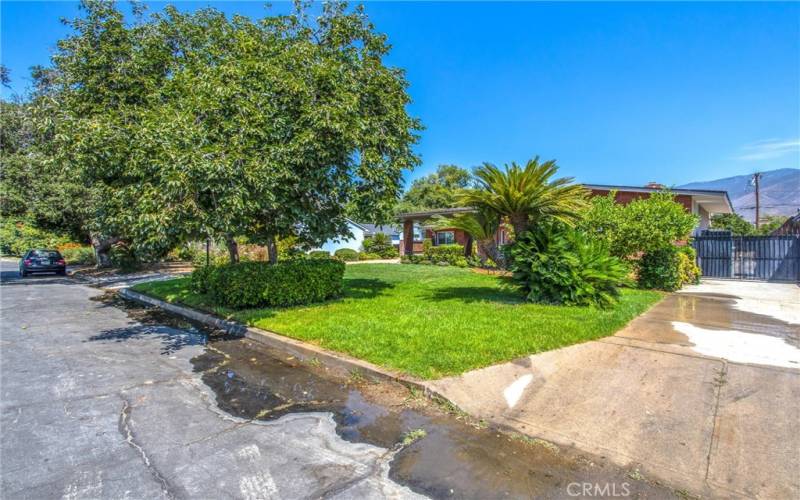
pixel 45 254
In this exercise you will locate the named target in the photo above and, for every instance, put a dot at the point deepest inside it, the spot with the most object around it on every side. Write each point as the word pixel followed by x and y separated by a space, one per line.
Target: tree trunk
pixel 102 245
pixel 272 250
pixel 468 246
pixel 490 249
pixel 233 249
pixel 519 222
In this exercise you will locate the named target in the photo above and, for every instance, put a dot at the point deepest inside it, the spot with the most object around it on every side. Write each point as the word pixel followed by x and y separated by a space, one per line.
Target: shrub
pixel 557 265
pixel 669 268
pixel 689 270
pixel 427 244
pixel 368 256
pixel 346 254
pixel 380 244
pixel 17 237
pixel 642 226
pixel 660 269
pixel 416 259
pixel 83 255
pixel 122 257
pixel 319 254
pixel 451 254
pixel 198 281
pixel 256 284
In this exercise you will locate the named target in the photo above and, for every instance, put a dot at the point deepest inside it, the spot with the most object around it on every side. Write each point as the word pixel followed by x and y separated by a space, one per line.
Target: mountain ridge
pixel 779 192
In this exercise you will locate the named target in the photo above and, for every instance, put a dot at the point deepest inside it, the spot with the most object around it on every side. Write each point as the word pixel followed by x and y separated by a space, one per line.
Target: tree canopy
pixel 526 195
pixel 738 226
pixel 436 190
pixel 187 125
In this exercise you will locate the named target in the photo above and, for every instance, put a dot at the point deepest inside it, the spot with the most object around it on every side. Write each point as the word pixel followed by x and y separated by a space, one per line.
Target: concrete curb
pixel 340 362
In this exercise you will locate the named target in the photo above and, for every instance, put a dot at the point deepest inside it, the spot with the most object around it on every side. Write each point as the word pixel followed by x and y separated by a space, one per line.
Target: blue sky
pixel 621 93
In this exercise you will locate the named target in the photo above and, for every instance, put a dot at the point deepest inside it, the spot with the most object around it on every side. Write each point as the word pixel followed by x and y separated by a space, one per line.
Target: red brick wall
pixel 625 197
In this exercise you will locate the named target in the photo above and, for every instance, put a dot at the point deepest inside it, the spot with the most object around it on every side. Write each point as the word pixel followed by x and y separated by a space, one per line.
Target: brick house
pixel 417 226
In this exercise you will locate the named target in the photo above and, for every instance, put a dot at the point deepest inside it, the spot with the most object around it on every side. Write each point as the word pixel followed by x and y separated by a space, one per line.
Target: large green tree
pixel 733 223
pixel 436 190
pixel 34 188
pixel 199 125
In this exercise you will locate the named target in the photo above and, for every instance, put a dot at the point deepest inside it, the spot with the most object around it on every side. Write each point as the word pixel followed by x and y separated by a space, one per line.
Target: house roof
pixel 712 201
pixel 717 200
pixel 386 229
pixel 437 211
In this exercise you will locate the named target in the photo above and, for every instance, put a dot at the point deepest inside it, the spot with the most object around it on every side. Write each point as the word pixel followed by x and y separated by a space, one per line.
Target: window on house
pixel 417 232
pixel 444 238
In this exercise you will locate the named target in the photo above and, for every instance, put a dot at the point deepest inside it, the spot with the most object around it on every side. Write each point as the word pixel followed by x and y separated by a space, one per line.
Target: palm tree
pixel 482 226
pixel 525 195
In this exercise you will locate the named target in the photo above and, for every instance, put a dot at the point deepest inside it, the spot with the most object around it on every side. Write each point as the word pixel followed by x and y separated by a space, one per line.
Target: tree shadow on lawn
pixel 365 288
pixel 471 294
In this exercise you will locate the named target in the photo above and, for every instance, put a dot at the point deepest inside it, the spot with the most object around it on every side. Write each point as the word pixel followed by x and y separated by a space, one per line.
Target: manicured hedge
pixel 451 254
pixel 319 254
pixel 259 284
pixel 346 254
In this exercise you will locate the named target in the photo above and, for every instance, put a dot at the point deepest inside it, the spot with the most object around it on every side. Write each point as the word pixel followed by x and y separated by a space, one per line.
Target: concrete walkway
pixel 702 391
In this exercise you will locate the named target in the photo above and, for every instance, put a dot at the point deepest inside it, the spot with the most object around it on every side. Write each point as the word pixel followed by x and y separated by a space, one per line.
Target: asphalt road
pixel 94 404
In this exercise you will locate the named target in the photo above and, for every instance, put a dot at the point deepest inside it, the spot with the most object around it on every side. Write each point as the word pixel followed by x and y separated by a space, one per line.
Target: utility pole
pixel 756 178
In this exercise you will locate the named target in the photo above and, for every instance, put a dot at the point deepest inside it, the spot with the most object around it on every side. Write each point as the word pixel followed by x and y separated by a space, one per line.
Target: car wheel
pixel 62 273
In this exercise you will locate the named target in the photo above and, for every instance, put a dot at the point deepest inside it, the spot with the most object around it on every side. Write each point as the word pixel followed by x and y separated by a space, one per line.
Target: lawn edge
pixel 342 363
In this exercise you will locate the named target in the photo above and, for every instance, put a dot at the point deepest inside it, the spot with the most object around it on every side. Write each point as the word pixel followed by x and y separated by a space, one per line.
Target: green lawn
pixel 428 321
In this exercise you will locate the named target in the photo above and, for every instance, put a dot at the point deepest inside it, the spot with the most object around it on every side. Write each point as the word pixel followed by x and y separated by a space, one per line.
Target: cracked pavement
pixel 93 408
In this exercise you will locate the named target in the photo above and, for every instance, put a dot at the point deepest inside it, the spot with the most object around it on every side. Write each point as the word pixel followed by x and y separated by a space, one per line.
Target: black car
pixel 42 261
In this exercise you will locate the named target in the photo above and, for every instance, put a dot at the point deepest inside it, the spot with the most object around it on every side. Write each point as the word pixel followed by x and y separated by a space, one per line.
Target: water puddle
pixel 439 452
pixel 741 347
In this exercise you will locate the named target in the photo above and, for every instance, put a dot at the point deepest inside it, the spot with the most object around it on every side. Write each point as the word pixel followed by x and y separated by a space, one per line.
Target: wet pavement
pixel 102 398
pixel 702 392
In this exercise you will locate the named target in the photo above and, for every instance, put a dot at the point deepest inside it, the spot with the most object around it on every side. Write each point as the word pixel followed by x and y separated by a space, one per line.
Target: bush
pixel 122 257
pixel 346 254
pixel 669 268
pixel 198 281
pixel 258 284
pixel 319 254
pixel 689 270
pixel 368 256
pixel 644 225
pixel 83 255
pixel 380 244
pixel 557 265
pixel 451 254
pixel 17 237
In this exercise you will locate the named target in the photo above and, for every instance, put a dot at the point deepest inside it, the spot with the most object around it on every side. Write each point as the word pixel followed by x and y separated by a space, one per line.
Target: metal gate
pixel 770 258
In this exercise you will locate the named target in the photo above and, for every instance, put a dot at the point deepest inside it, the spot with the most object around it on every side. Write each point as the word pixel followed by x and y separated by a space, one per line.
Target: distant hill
pixel 780 192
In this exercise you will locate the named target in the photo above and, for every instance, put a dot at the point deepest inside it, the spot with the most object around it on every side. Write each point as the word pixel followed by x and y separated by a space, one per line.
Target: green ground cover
pixel 427 321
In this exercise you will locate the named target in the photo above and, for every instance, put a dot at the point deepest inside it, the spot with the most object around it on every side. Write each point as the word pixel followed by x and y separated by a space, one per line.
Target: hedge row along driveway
pixel 427 321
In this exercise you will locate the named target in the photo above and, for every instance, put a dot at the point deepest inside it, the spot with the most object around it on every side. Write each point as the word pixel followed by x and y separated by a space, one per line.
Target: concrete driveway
pixel 702 391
